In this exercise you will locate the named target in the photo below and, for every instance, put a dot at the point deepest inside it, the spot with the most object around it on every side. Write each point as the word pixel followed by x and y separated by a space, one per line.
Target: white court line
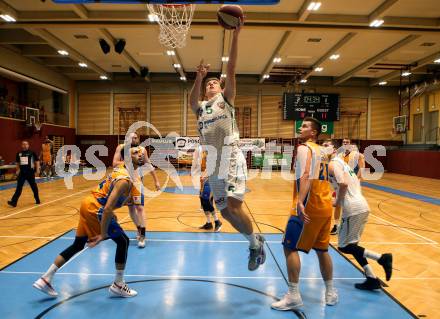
pixel 150 239
pixel 406 230
pixel 44 204
pixel 219 241
pixel 390 243
pixel 74 257
pixel 201 277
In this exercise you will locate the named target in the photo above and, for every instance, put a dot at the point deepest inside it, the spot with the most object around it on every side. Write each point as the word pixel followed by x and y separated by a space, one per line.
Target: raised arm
pixel 230 83
pixel 361 164
pixel 117 159
pixel 202 71
pixel 153 171
pixel 337 171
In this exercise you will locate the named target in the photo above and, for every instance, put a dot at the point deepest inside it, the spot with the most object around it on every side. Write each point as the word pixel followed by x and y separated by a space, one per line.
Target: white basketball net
pixel 174 21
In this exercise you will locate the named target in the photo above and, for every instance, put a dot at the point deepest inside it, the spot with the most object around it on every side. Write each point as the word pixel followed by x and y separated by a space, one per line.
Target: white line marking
pixel 148 276
pixel 390 243
pixel 44 204
pixel 74 257
pixel 152 239
pixel 202 277
pixel 405 230
pixel 219 241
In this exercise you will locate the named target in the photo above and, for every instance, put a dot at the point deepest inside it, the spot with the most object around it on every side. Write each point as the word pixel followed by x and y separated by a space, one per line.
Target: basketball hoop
pixel 174 22
pixel 37 126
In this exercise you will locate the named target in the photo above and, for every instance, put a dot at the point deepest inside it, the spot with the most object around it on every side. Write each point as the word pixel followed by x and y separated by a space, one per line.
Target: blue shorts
pixel 206 193
pixel 114 229
pixel 304 237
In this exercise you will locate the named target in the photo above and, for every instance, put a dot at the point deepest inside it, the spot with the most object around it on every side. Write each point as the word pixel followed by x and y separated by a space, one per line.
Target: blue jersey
pixel 205 191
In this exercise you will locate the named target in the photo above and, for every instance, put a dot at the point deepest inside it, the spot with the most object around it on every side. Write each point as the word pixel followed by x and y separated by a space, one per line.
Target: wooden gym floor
pixel 404 225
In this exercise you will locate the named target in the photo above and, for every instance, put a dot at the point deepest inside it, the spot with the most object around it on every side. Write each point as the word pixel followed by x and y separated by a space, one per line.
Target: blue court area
pixel 184 276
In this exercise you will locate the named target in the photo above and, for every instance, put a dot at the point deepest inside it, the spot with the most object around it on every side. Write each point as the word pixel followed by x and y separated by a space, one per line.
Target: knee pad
pixel 349 249
pixel 122 243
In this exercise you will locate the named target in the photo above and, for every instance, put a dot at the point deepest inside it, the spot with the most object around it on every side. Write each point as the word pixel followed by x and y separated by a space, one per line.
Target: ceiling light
pixel 437 61
pixel 313 6
pixel 82 64
pixel 7 18
pixel 406 73
pixel 376 23
pixel 223 75
pixel 277 60
pixel 105 47
pixel 153 17
pixel 63 52
pixel 383 83
pixel 303 81
pixel 334 57
pixel 183 78
pixel 120 45
pixel 225 58
pixel 177 65
pixel 171 52
pixel 319 69
pixel 103 77
pixel 266 76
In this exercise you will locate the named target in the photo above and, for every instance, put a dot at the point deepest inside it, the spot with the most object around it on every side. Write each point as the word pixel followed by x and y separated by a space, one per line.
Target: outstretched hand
pixel 202 69
pixel 237 29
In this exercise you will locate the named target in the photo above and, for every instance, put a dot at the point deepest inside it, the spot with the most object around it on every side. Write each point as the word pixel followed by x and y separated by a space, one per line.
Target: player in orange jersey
pixel 310 220
pixel 97 222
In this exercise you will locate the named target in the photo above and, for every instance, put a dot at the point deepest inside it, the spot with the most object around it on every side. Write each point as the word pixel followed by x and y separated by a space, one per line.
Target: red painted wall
pixel 416 163
pixel 13 132
pixel 110 141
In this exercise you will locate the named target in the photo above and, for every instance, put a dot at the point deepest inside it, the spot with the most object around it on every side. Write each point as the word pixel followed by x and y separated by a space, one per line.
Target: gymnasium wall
pixel 424 105
pixel 13 132
pixel 416 163
pixel 163 105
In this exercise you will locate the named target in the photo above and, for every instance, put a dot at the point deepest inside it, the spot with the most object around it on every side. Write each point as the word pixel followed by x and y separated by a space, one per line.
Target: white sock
pixel 208 217
pixel 371 254
pixel 293 287
pixel 119 278
pixel 328 285
pixel 253 241
pixel 369 271
pixel 50 272
pixel 214 215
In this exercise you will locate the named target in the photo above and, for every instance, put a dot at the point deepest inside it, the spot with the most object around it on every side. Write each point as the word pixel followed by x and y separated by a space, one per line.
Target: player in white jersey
pixel 355 211
pixel 218 129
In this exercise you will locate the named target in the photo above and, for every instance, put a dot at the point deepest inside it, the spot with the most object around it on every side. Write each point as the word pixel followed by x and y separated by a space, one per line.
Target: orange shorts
pixel 303 237
pixel 89 220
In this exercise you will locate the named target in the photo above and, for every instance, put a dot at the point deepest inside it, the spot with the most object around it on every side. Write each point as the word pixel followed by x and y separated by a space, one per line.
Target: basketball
pixel 230 16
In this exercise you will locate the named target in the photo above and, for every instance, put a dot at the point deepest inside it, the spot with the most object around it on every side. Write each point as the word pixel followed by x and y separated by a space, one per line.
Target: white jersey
pixel 354 202
pixel 216 123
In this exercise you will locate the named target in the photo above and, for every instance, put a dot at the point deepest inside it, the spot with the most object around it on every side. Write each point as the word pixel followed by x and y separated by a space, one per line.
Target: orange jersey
pixel 47 154
pixel 104 189
pixel 318 202
pixel 203 165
